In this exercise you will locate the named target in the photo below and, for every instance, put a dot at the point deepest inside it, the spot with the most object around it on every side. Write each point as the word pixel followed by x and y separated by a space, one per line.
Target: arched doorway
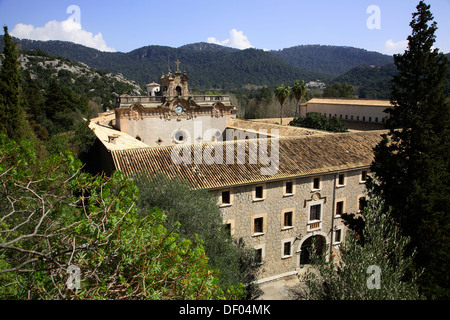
pixel 313 245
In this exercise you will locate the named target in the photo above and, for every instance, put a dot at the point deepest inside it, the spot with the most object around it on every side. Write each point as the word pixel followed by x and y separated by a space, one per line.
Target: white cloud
pixel 392 47
pixel 67 30
pixel 237 40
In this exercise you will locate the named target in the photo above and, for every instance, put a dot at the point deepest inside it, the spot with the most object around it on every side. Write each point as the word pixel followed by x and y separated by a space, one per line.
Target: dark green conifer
pixel 11 112
pixel 412 163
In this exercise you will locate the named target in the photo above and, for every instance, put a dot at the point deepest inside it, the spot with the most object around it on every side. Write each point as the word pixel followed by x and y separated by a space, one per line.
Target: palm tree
pixel 299 91
pixel 282 93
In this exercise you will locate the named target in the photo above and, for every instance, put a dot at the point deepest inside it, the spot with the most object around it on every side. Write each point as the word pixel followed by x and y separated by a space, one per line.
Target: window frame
pixel 338 180
pixel 254 198
pixel 254 217
pixel 363 174
pixel 289 241
pixel 344 208
pixel 319 212
pixel 341 234
pixel 285 184
pixel 283 213
pixel 231 198
pixel 313 187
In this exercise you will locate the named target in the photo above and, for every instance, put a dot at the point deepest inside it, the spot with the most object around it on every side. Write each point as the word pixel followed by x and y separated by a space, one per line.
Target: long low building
pixel 348 109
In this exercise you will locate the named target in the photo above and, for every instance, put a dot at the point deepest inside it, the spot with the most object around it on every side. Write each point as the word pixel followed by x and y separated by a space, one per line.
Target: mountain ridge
pixel 212 66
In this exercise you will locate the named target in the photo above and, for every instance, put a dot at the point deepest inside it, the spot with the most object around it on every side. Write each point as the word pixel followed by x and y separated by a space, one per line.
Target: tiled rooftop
pixel 352 102
pixel 298 156
pixel 283 131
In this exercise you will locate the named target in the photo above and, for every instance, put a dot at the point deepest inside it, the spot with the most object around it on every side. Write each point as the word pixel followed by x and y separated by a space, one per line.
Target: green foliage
pixel 53 216
pixel 370 82
pixel 208 69
pixel 354 276
pixel 299 90
pixel 282 93
pixel 195 213
pixel 412 162
pixel 316 120
pixel 332 60
pixel 11 111
pixel 339 90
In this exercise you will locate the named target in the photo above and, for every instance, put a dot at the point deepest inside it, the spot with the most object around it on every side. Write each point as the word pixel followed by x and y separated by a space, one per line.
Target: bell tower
pixel 175 84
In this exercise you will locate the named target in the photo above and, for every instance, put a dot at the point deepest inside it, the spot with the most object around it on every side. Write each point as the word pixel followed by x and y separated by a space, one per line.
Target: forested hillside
pixel 332 60
pixel 209 66
pixel 58 93
pixel 215 67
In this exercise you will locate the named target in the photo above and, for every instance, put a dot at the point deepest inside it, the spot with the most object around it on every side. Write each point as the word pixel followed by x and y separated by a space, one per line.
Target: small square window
pixel 258 256
pixel 258 225
pixel 288 219
pixel 316 183
pixel 259 192
pixel 226 197
pixel 363 175
pixel 339 208
pixel 314 212
pixel 287 248
pixel 338 236
pixel 341 179
pixel 289 187
pixel 361 203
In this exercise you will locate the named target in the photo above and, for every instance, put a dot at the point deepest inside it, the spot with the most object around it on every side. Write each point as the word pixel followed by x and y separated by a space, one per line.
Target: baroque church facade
pixel 174 116
pixel 311 177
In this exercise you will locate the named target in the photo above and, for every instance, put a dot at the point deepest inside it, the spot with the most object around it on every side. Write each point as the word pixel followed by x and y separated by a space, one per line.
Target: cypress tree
pixel 11 112
pixel 412 163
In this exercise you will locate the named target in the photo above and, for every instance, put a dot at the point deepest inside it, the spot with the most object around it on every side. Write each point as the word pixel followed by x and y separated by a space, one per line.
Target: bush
pixel 316 120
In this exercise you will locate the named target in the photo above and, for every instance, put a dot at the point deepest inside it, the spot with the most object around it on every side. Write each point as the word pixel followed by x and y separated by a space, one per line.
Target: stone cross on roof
pixel 178 65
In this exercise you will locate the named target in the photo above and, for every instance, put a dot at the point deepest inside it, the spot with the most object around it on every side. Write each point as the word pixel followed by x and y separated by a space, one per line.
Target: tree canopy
pixel 412 162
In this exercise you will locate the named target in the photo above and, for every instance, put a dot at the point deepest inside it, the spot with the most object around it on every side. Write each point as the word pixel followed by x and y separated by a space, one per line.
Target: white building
pixel 348 109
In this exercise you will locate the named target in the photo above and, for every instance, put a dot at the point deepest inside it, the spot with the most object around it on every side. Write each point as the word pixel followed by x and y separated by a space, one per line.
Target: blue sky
pixel 117 25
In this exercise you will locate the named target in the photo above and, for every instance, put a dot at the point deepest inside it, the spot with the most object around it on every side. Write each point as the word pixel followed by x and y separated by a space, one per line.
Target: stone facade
pixel 283 234
pixel 171 115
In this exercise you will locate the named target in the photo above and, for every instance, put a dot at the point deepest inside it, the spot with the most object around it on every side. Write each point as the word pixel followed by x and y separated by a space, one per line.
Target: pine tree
pixel 373 269
pixel 11 112
pixel 412 162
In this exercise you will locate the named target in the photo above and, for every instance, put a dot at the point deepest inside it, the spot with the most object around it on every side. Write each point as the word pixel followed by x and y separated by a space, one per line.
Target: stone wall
pixel 244 208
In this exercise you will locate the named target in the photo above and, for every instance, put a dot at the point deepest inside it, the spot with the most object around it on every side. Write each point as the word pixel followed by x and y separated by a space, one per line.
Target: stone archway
pixel 313 244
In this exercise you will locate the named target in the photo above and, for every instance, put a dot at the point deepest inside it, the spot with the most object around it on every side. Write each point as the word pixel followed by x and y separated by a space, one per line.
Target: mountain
pixel 332 60
pixel 205 46
pixel 209 66
pixel 97 85
pixel 372 82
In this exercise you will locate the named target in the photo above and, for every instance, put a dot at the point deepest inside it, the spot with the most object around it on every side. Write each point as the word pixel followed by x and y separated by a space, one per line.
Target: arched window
pixel 178 89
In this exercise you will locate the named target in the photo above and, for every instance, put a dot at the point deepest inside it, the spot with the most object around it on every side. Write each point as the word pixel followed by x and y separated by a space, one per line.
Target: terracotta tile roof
pixel 283 131
pixel 300 156
pixel 351 102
